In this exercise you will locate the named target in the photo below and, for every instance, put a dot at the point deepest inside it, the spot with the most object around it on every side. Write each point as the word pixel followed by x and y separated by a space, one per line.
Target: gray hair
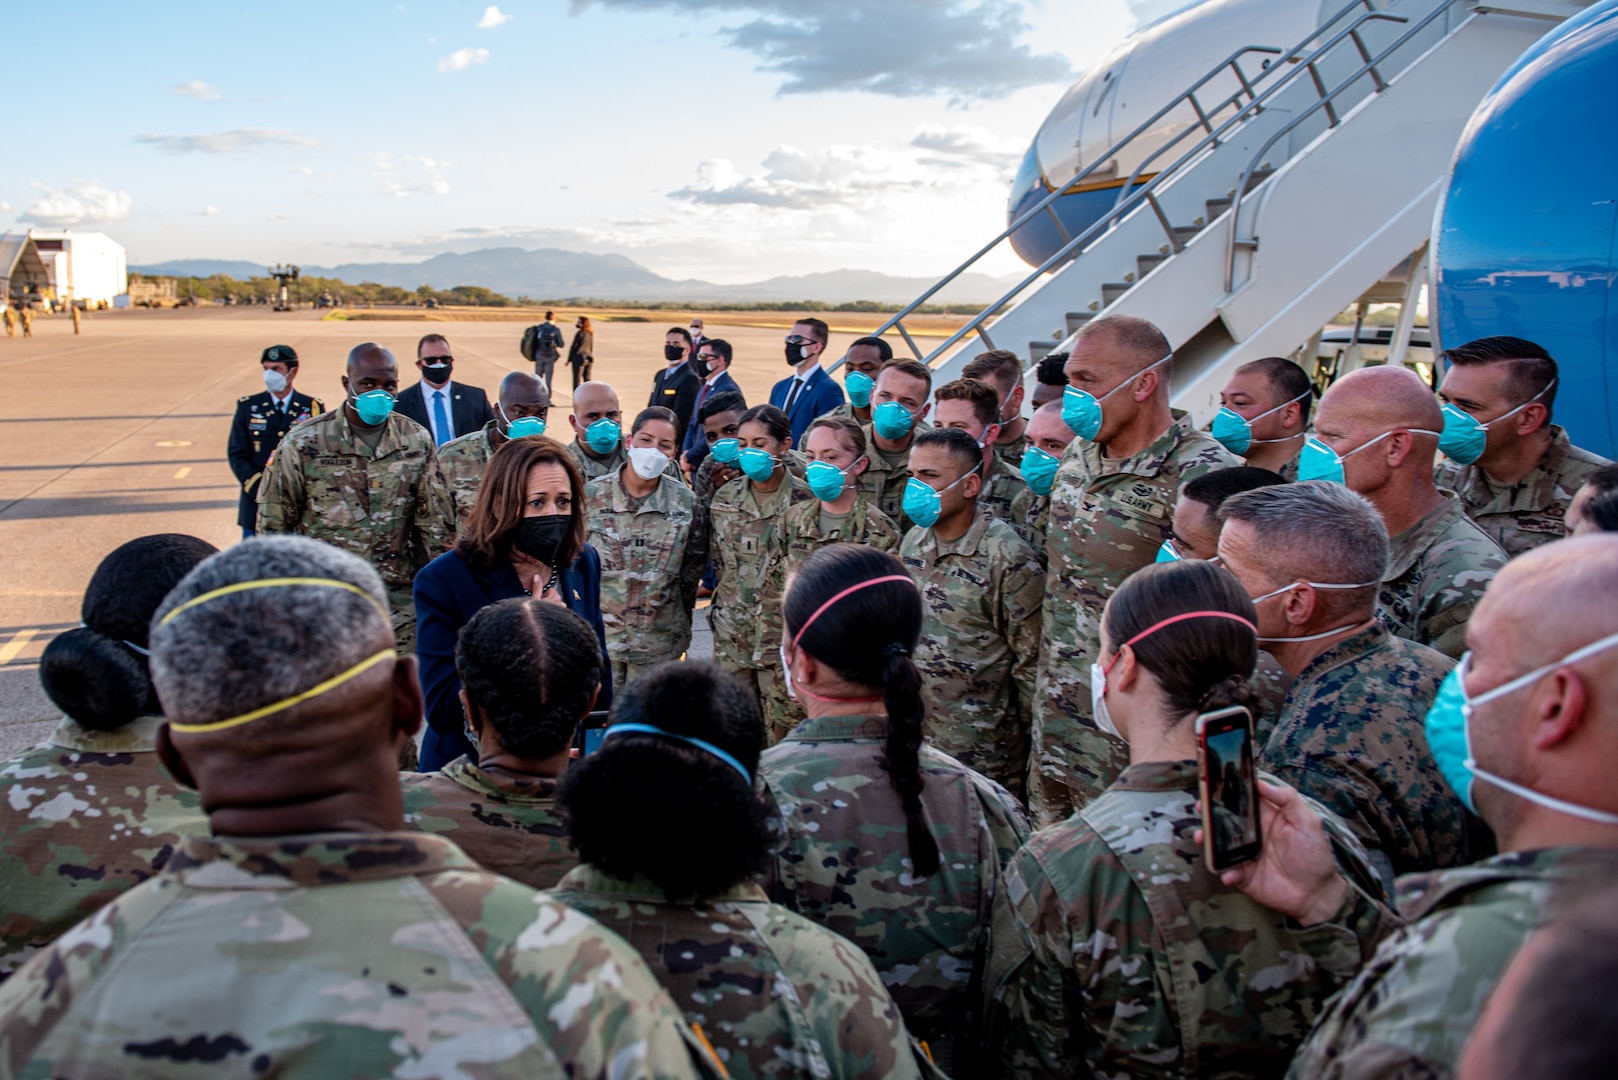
pixel 1131 334
pixel 234 653
pixel 1315 531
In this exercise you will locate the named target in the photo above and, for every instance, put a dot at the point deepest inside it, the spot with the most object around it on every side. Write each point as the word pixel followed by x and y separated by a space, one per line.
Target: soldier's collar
pixel 585 878
pixel 841 728
pixel 1350 648
pixel 310 859
pixel 139 736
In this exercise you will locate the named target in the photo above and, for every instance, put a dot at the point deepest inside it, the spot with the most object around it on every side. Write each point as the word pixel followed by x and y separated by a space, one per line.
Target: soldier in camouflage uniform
pixel 1437 571
pixel 1048 439
pixel 315 937
pixel 979 644
pixel 595 406
pixel 369 486
pixel 1517 480
pixel 903 386
pixel 462 459
pixel 864 358
pixel 970 405
pixel 1002 370
pixel 653 546
pixel 1269 400
pixel 1109 513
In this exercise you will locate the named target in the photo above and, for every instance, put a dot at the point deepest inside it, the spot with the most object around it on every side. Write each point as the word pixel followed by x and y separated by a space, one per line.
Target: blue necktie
pixel 440 418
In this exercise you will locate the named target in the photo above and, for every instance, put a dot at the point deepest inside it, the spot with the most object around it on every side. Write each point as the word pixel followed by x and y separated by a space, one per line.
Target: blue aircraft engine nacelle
pixel 1524 237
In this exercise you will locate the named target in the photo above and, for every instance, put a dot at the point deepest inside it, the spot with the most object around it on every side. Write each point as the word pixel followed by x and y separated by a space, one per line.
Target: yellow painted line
pixel 183 473
pixel 19 641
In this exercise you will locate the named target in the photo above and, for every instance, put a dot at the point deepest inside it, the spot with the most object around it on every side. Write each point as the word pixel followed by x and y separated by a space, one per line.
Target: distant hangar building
pixel 88 267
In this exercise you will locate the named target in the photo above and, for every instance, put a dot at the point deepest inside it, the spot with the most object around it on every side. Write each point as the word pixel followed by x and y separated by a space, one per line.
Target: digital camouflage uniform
pixel 1270 682
pixel 1351 736
pixel 653 553
pixel 745 543
pixel 1437 571
pixel 337 954
pixel 1108 517
pixel 979 648
pixel 462 461
pixel 1030 514
pixel 884 484
pixel 1000 493
pixel 1411 1008
pixel 504 823
pixel 391 508
pixel 1530 512
pixel 84 817
pixel 845 863
pixel 776 995
pixel 1115 951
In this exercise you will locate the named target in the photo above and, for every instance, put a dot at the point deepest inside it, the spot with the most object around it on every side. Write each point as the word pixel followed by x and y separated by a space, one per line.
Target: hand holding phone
pixel 1228 783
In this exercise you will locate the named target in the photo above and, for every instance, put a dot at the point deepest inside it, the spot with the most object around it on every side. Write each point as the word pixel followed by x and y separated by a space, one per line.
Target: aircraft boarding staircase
pixel 1339 148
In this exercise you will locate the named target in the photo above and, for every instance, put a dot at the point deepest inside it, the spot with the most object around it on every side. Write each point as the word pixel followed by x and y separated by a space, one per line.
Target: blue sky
pixel 724 139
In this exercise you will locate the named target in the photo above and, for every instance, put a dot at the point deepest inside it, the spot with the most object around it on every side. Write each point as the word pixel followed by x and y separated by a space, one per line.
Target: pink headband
pixel 810 621
pixel 1170 621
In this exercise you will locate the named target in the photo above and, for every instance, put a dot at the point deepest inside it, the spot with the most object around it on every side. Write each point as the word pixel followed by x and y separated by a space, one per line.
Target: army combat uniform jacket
pixel 745 540
pixel 258 428
pixel 979 647
pixel 84 817
pixel 504 823
pixel 884 484
pixel 845 861
pixel 1350 735
pixel 1530 512
pixel 1108 517
pixel 775 994
pixel 1437 571
pixel 1410 1010
pixel 338 954
pixel 999 495
pixel 391 507
pixel 1030 516
pixel 1115 951
pixel 462 461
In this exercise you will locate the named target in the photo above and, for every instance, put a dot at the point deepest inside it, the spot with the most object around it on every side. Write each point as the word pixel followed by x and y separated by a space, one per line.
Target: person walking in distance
pixel 581 352
pixel 546 344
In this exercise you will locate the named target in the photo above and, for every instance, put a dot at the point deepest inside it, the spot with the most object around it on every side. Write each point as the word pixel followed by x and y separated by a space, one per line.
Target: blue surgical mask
pixel 1317 461
pixel 826 481
pixel 859 386
pixel 374 407
pixel 758 464
pixel 922 504
pixel 892 420
pixel 1081 410
pixel 1465 436
pixel 1039 470
pixel 1167 552
pixel 603 435
pixel 1449 733
pixel 726 451
pixel 523 426
pixel 1234 431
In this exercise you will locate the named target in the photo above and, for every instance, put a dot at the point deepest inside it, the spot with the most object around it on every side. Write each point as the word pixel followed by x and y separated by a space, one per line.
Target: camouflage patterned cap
pixel 282 354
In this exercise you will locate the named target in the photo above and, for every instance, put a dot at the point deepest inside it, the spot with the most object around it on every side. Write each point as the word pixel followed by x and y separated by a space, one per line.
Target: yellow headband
pixel 270 583
pixel 287 703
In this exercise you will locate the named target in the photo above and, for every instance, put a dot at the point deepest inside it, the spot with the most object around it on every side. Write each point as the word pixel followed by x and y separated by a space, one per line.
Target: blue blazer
pixel 819 395
pixel 448 593
pixel 695 447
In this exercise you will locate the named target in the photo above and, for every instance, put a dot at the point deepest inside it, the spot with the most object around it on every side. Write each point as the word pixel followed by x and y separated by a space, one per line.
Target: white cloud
pixel 5 207
pixel 236 141
pixel 83 203
pixel 411 174
pixel 493 17
pixel 303 169
pixel 196 89
pixel 461 59
pixel 958 144
pixel 211 211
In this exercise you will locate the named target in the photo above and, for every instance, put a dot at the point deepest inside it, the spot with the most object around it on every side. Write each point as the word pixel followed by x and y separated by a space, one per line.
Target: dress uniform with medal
pixel 261 421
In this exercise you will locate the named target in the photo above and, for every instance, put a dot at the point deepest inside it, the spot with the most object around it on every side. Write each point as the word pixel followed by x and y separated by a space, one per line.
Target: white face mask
pixel 647 461
pixel 786 673
pixel 1098 701
pixel 274 381
pixel 1312 585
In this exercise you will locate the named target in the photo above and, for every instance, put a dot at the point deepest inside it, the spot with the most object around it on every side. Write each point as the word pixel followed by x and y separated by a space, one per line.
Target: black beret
pixel 279 354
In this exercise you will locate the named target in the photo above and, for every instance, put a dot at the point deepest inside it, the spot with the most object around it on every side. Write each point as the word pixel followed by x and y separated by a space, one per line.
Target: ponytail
pixel 1231 690
pixel 901 695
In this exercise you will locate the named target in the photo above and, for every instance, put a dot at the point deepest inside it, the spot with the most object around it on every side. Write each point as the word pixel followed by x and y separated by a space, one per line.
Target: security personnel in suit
pixel 261 421
pixel 446 409
pixel 676 386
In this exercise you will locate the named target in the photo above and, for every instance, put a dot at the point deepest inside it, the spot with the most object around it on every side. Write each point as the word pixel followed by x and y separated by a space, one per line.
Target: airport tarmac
pixel 120 432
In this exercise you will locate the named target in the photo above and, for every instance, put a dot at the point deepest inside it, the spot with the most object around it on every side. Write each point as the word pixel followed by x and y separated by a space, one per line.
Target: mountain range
pixel 552 273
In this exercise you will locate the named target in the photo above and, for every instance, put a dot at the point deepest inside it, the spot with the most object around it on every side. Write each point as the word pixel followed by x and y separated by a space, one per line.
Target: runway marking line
pixel 19 641
pixel 183 473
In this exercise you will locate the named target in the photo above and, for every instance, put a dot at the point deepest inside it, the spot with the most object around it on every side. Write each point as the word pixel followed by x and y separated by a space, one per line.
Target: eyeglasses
pixel 438 359
pixel 708 356
pixel 797 339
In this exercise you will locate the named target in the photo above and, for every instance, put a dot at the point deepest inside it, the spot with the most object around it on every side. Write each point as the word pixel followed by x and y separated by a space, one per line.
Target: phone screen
pixel 1229 791
pixel 591 732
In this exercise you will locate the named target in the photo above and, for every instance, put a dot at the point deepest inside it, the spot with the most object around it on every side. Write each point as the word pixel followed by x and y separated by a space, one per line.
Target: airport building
pixel 89 267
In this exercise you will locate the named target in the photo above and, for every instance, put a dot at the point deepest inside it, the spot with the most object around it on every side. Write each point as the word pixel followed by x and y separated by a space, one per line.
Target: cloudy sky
pixel 724 139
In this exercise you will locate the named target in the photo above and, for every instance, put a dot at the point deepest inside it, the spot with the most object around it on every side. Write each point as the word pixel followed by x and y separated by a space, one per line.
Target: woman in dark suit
pixel 524 537
pixel 581 353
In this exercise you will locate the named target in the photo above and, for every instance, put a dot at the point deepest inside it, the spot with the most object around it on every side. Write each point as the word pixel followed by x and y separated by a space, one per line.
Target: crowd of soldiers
pixel 934 806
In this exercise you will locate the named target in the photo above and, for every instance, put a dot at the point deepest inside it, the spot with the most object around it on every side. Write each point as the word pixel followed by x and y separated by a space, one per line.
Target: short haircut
pixel 817 329
pixel 1140 339
pixel 655 412
pixel 428 339
pixel 999 367
pixel 489 531
pixel 530 669
pixel 984 399
pixel 718 345
pixel 1316 530
pixel 1531 368
pixel 774 420
pixel 884 351
pixel 1602 507
pixel 724 401
pixel 913 368
pixel 849 431
pixel 1213 488
pixel 549 315
pixel 1287 381
pixel 963 450
pixel 1051 369
pixel 683 332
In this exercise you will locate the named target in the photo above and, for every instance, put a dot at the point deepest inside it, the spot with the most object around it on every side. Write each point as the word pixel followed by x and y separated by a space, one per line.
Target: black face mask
pixel 700 366
pixel 797 354
pixel 437 374
pixel 541 537
pixel 671 353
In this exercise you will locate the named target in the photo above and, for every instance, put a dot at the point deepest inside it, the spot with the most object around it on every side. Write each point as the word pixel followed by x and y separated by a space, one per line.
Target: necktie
pixel 797 384
pixel 440 418
pixel 702 395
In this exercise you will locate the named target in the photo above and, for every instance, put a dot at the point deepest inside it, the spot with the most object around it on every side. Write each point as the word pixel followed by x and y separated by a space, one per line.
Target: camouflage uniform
pixel 1437 571
pixel 884 484
pixel 653 552
pixel 1530 512
pixel 391 507
pixel 845 862
pixel 845 411
pixel 1030 514
pixel 1270 682
pixel 979 643
pixel 83 818
pixel 1411 1008
pixel 337 954
pixel 1108 517
pixel 776 995
pixel 1351 736
pixel 1011 453
pixel 745 542
pixel 463 460
pixel 506 824
pixel 1115 951
pixel 1000 493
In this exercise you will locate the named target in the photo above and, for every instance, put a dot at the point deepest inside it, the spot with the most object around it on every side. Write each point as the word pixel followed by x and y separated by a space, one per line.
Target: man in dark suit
pixel 444 408
pixel 676 385
pixel 808 391
pixel 261 421
pixel 713 357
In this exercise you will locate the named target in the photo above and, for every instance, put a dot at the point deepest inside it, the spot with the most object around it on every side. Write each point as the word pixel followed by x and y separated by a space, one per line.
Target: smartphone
pixel 1228 781
pixel 591 732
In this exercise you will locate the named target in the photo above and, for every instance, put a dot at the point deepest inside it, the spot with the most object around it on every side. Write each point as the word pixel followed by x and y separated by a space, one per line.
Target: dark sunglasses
pixel 796 339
